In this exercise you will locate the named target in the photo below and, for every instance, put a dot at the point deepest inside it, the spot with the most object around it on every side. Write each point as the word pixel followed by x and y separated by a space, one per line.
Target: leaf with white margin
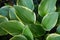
pixel 53 36
pixel 19 37
pixel 26 3
pixel 26 32
pixel 3 19
pixel 12 27
pixel 25 15
pixel 46 6
pixel 49 21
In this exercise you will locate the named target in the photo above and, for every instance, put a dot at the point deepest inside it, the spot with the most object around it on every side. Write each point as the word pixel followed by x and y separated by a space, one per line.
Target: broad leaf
pixel 37 30
pixel 12 27
pixel 46 6
pixel 24 14
pixel 49 21
pixel 53 37
pixel 26 3
pixel 3 19
pixel 27 33
pixel 19 37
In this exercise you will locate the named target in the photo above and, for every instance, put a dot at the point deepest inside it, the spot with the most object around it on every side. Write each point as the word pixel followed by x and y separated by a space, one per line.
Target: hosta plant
pixel 21 21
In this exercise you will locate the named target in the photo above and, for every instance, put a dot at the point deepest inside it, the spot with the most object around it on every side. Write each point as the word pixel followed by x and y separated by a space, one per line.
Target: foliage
pixel 22 23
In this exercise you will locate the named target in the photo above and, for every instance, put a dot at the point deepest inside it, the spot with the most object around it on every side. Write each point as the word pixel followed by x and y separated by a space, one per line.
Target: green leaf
pixel 58 10
pixel 24 14
pixel 26 3
pixel 53 37
pixel 58 29
pixel 12 27
pixel 37 30
pixel 46 6
pixel 27 33
pixel 49 21
pixel 3 19
pixel 12 13
pixel 4 11
pixel 8 11
pixel 19 37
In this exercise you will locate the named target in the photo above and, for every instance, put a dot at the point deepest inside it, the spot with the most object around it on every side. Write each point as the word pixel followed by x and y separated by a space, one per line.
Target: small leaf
pixel 37 30
pixel 3 19
pixel 58 29
pixel 46 6
pixel 19 37
pixel 12 27
pixel 53 37
pixel 26 3
pixel 50 20
pixel 24 14
pixel 27 33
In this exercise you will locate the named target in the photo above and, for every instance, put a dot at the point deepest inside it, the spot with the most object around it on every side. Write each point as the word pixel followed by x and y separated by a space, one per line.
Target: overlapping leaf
pixel 4 11
pixel 24 14
pixel 8 11
pixel 27 33
pixel 53 37
pixel 3 19
pixel 37 30
pixel 49 21
pixel 12 27
pixel 46 6
pixel 12 13
pixel 26 3
pixel 19 37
